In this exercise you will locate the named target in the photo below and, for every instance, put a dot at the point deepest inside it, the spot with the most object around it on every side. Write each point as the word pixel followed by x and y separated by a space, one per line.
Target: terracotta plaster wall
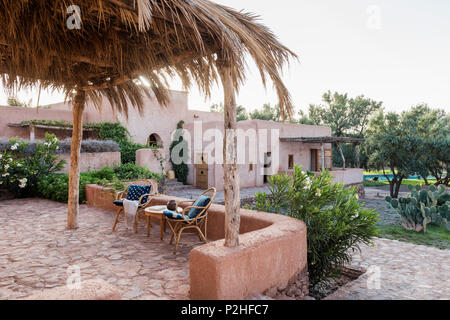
pixel 273 250
pixel 253 176
pixel 93 161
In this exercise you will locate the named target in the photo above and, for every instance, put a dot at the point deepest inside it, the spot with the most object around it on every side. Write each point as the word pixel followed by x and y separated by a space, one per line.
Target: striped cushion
pixel 174 215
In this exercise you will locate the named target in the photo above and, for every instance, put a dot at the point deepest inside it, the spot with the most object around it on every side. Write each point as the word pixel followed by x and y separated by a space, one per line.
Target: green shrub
pixel 118 133
pixel 22 165
pixel 130 171
pixel 56 186
pixel 181 169
pixel 336 222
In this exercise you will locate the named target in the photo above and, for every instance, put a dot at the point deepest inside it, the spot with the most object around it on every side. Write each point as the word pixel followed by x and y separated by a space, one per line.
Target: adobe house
pixel 284 145
pixel 266 148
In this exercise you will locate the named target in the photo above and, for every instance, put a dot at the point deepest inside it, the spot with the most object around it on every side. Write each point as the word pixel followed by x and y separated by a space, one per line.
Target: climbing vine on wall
pixel 118 133
pixel 181 169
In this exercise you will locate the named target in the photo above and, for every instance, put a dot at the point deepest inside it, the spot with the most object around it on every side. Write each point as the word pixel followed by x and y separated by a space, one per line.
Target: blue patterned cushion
pixel 118 203
pixel 135 192
pixel 202 202
pixel 174 215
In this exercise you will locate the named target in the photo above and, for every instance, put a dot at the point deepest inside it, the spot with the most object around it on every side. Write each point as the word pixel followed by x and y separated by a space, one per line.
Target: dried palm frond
pixel 121 40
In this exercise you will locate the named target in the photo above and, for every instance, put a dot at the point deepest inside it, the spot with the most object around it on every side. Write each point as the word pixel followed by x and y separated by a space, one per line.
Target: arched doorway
pixel 154 141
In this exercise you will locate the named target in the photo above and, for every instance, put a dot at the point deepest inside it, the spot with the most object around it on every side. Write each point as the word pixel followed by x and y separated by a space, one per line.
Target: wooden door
pixel 202 170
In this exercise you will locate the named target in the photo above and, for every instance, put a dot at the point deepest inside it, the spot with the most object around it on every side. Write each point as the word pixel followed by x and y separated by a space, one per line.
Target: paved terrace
pixel 36 251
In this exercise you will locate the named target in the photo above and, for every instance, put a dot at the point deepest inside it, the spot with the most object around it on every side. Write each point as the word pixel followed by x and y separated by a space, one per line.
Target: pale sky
pixel 395 51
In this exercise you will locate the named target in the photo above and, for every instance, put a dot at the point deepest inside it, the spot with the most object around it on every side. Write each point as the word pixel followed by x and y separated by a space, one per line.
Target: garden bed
pixel 347 276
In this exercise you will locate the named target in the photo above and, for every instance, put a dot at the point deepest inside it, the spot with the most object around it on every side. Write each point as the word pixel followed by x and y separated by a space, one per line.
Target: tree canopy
pixel 414 142
pixel 345 116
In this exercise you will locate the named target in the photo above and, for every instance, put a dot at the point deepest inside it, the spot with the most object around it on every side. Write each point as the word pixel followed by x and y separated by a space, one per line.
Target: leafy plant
pixel 336 222
pixel 181 169
pixel 423 207
pixel 118 133
pixel 56 186
pixel 22 168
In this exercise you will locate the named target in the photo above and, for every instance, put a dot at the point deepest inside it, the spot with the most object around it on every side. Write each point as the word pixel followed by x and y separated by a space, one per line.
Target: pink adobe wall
pixel 349 176
pixel 273 250
pixel 254 177
pixel 18 114
pixel 147 159
pixel 57 112
pixel 93 161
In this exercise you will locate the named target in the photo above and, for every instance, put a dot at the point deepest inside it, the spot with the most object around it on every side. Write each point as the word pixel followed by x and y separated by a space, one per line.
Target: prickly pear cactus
pixel 423 207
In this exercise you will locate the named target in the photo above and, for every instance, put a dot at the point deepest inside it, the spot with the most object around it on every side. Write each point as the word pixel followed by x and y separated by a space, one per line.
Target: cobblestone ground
pixel 398 271
pixel 36 251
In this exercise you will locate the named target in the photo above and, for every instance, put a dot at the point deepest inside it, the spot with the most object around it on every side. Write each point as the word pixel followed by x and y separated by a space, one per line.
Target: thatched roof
pixel 120 40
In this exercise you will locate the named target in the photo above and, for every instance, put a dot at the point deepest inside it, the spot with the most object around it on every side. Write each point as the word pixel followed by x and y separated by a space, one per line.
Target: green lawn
pixel 436 236
pixel 404 183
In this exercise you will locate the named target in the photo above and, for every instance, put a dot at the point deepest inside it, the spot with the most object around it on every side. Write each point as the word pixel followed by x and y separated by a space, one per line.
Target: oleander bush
pixel 336 222
pixel 22 165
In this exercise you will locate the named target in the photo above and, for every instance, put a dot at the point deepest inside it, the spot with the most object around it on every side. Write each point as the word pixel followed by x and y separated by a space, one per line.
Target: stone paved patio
pixel 398 271
pixel 36 252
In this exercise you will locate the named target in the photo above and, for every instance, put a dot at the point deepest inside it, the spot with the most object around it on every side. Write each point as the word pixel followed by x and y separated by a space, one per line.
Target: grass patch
pixel 438 237
pixel 369 183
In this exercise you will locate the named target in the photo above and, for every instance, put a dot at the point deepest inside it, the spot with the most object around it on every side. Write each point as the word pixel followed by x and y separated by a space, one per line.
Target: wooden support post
pixel 32 133
pixel 74 176
pixel 358 155
pixel 231 176
pixel 342 155
pixel 322 157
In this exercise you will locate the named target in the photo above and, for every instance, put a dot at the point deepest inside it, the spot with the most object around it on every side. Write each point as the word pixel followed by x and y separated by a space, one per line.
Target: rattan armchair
pixel 142 206
pixel 179 225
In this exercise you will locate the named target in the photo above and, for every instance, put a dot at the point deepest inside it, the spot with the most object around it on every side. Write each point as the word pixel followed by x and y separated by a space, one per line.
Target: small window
pixel 250 167
pixel 291 162
pixel 154 141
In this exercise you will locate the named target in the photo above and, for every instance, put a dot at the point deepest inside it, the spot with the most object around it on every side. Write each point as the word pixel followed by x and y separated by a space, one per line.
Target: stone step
pixel 173 183
pixel 170 187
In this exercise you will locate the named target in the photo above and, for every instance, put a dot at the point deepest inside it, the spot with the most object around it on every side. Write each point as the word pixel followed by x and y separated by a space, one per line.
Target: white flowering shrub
pixel 21 170
pixel 336 222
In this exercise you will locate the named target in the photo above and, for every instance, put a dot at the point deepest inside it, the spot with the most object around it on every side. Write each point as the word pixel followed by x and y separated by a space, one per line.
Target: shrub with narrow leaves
pixel 336 222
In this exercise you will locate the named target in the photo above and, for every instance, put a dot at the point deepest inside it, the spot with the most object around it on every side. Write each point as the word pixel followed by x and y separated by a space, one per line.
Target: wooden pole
pixel 32 133
pixel 322 157
pixel 342 155
pixel 74 176
pixel 231 176
pixel 358 156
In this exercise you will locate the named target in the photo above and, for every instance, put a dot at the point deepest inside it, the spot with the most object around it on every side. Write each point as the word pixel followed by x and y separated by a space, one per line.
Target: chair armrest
pixel 182 202
pixel 119 195
pixel 150 198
